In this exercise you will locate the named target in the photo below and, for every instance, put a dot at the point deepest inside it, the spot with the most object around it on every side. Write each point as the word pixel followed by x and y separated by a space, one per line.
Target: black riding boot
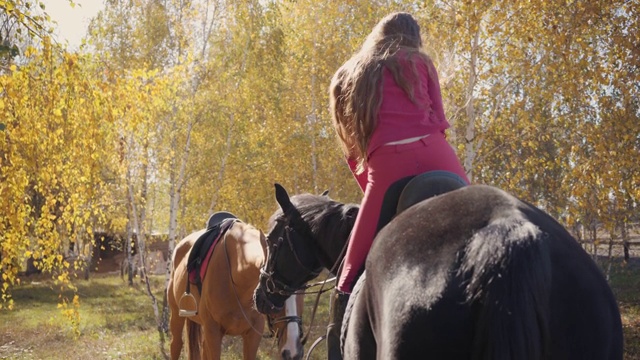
pixel 336 313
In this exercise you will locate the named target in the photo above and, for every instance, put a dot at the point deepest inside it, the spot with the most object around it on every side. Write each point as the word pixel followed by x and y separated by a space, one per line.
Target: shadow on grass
pixel 46 292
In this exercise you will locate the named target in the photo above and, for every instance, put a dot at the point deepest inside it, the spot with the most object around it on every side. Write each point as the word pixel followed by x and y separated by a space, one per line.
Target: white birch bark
pixel 471 146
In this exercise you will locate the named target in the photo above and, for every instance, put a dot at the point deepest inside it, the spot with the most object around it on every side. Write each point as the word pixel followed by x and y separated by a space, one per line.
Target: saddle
pixel 202 249
pixel 201 252
pixel 411 190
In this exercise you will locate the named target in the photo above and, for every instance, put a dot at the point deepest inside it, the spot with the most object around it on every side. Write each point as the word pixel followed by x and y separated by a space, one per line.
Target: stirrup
pixel 184 312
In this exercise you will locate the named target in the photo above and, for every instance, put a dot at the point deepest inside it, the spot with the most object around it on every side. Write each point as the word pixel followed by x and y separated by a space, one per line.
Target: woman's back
pixel 399 116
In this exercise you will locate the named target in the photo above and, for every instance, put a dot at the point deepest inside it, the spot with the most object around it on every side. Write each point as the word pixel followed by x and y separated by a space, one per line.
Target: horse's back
pixel 183 247
pixel 437 270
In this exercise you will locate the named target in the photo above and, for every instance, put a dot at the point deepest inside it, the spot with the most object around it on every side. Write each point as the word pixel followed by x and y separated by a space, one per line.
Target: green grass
pixel 117 321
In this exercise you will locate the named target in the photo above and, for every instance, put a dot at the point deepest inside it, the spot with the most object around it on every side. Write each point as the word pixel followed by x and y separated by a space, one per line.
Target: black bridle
pixel 274 286
pixel 273 333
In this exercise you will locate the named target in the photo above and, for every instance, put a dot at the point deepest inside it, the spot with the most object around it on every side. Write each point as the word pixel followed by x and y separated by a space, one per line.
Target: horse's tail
pixel 194 334
pixel 508 268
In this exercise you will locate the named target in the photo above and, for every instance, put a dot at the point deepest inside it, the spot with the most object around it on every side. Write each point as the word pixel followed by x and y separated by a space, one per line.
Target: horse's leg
pixel 212 340
pixel 176 324
pixel 250 344
pixel 194 334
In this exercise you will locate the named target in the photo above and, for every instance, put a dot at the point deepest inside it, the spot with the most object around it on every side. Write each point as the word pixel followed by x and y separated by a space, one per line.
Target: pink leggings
pixel 387 165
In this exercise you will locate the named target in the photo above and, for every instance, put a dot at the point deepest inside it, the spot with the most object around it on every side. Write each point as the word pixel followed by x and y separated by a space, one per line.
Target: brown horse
pixel 226 305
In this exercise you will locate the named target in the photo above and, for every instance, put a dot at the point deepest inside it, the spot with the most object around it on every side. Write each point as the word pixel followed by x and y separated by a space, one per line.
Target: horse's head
pixel 286 327
pixel 292 257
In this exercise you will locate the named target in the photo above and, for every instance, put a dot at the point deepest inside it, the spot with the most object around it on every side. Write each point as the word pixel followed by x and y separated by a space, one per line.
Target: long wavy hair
pixel 356 87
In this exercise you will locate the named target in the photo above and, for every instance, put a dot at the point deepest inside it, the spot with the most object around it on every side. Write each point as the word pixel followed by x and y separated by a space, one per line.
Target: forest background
pixel 174 109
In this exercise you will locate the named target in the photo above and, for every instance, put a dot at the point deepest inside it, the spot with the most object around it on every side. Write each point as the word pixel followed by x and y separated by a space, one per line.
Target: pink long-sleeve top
pixel 400 118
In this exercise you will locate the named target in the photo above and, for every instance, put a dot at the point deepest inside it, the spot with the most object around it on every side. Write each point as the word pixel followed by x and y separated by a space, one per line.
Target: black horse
pixel 471 274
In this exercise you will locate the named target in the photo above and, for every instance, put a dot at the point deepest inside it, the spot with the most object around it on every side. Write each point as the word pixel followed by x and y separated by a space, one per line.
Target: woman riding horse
pixel 473 273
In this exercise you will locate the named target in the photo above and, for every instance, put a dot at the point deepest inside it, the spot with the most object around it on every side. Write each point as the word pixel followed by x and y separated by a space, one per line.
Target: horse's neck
pixel 248 242
pixel 336 258
pixel 333 235
pixel 332 243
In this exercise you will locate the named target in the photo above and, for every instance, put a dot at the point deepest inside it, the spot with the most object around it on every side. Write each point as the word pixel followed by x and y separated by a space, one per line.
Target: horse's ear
pixel 325 193
pixel 283 198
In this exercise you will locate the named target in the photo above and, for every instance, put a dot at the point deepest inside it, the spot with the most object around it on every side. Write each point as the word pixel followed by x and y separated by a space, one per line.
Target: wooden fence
pixel 626 250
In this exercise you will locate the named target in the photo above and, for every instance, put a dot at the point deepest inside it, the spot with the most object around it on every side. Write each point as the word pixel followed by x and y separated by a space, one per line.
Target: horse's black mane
pixel 326 218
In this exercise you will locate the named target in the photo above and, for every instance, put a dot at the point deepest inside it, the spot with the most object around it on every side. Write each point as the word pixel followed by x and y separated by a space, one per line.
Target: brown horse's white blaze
pixel 226 306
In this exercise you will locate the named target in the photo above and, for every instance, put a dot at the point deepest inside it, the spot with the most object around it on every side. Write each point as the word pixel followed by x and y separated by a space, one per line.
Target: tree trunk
pixel 594 241
pixel 177 182
pixel 610 256
pixel 88 258
pixel 128 260
pixel 470 133
pixel 625 242
pixel 312 118
pixel 232 121
pixel 223 165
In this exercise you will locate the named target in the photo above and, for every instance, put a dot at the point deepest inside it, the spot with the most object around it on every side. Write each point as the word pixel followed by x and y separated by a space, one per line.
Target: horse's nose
pixel 263 304
pixel 286 355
